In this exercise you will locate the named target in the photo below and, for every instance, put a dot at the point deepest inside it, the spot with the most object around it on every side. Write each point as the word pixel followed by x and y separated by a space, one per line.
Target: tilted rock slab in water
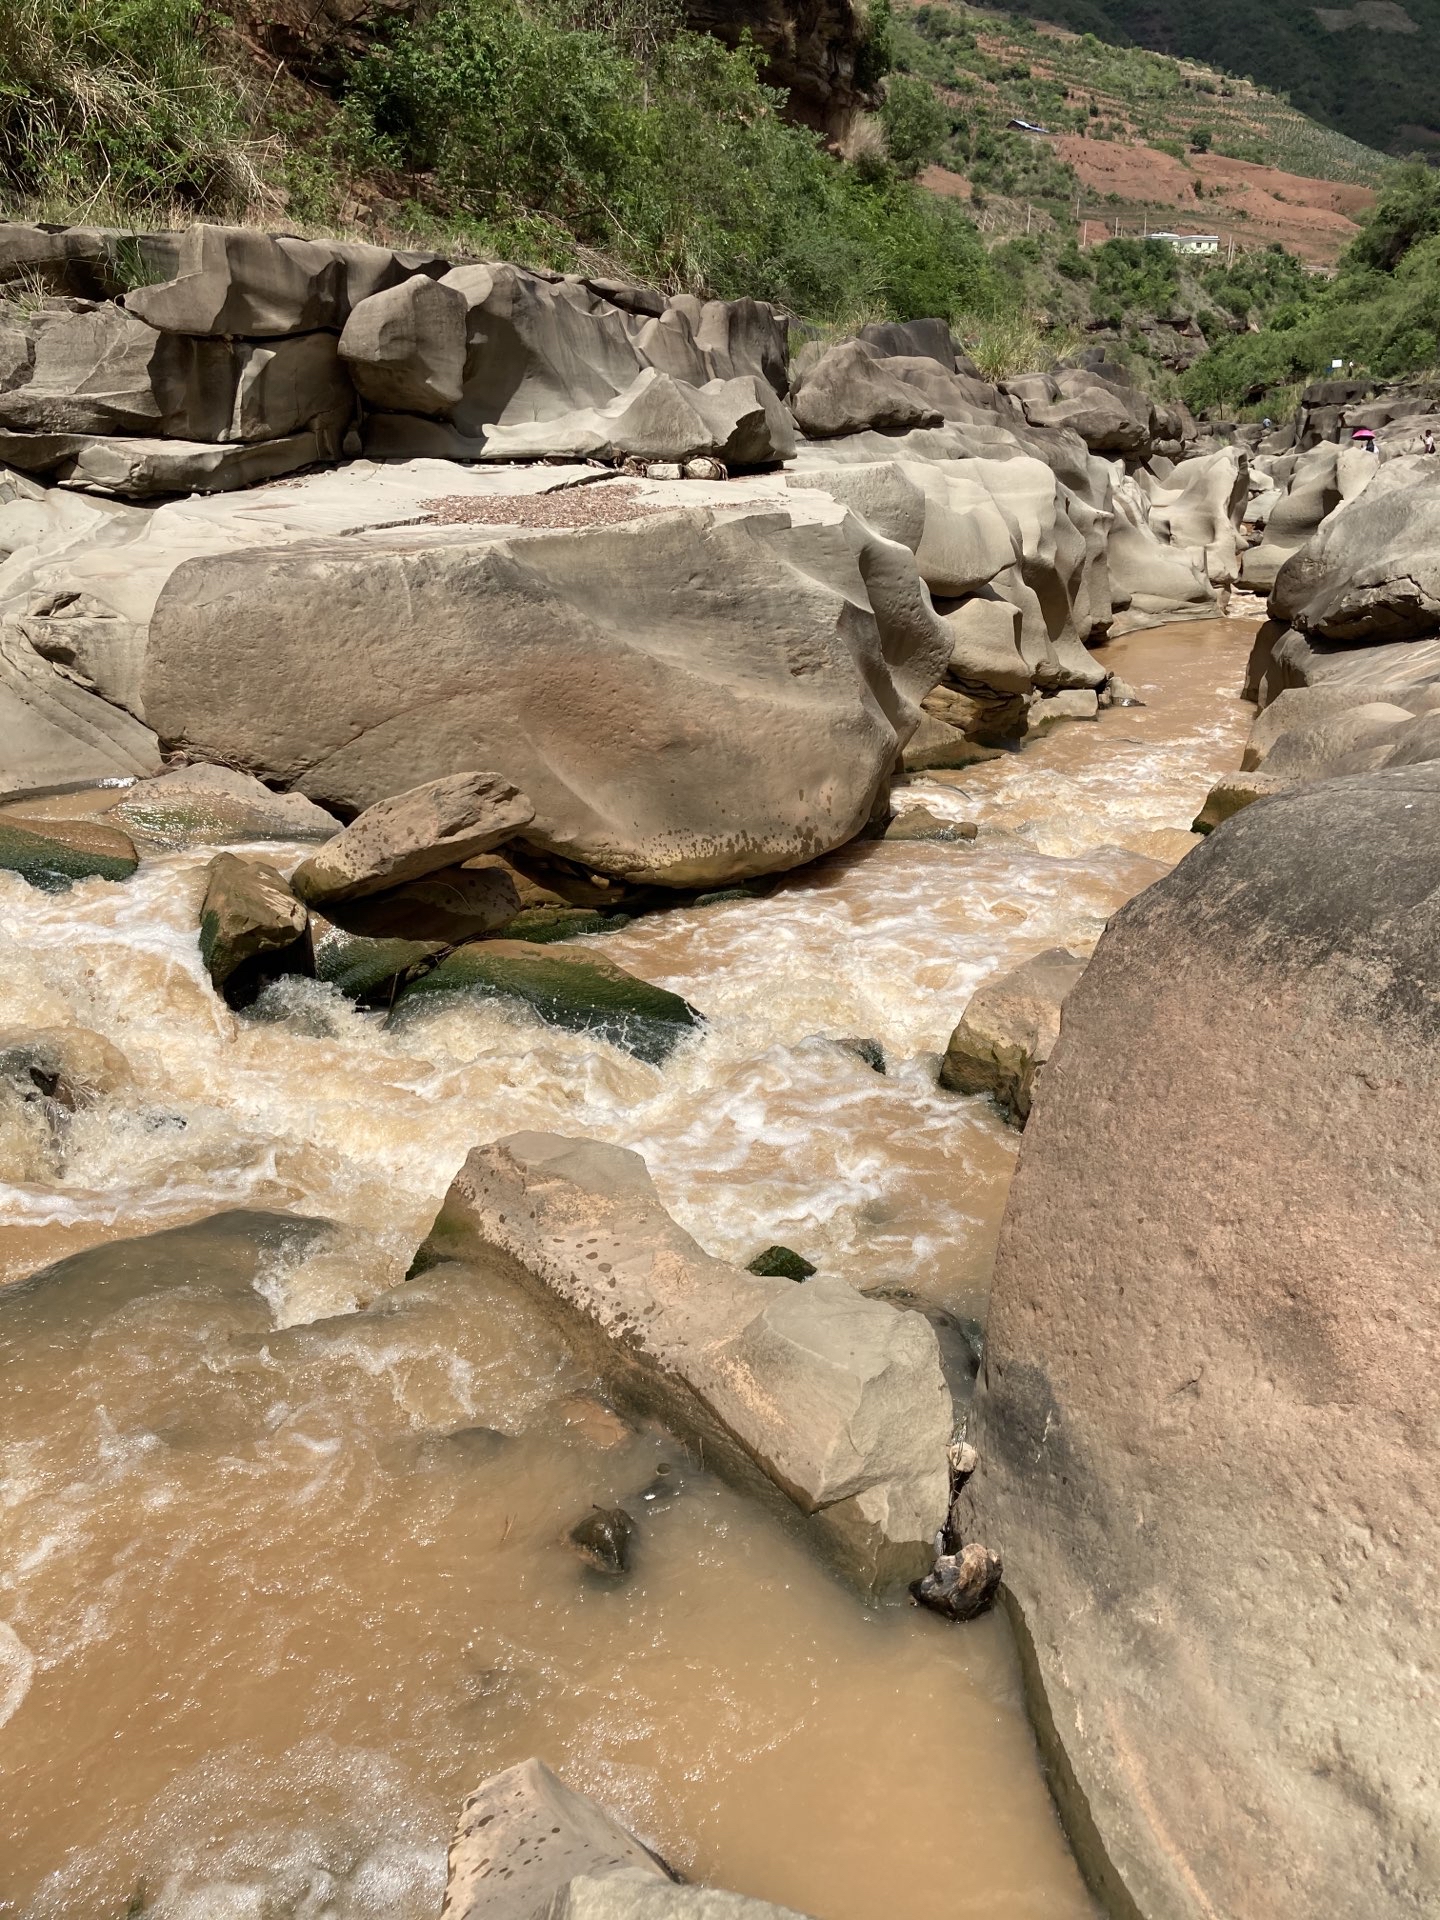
pixel 527 1847
pixel 407 835
pixel 522 1836
pixel 1209 1421
pixel 836 1399
pixel 685 699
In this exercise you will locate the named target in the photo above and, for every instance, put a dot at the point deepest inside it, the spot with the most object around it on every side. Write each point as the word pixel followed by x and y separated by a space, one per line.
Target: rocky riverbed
pixel 310 1572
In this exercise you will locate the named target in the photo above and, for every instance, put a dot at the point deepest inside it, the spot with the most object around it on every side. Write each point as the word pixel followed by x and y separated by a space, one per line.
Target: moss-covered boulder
pixel 363 968
pixel 781 1263
pixel 574 988
pixel 52 854
pixel 541 925
pixel 252 928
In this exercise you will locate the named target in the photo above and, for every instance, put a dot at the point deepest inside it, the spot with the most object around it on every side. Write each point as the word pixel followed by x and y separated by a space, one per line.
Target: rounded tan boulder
pixel 1209 1420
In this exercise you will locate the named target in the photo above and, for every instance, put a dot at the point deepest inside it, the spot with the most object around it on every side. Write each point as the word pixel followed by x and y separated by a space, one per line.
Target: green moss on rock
pixel 781 1263
pixel 52 854
pixel 578 989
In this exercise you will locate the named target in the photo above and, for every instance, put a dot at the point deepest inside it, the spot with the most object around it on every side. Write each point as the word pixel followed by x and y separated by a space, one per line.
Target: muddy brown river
pixel 282 1561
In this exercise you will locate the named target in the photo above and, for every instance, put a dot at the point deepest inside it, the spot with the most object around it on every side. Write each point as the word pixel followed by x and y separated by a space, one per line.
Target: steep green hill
pixel 1369 69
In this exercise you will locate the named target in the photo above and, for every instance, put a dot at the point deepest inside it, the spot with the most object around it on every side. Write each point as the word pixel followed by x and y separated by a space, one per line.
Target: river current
pixel 282 1564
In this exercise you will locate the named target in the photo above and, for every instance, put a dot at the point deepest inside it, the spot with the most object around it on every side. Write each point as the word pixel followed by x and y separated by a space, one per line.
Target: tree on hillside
pixel 1408 210
pixel 1201 139
pixel 915 124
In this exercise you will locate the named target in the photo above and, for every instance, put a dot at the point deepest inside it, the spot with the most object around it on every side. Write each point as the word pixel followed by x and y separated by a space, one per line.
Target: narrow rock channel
pixel 287 1569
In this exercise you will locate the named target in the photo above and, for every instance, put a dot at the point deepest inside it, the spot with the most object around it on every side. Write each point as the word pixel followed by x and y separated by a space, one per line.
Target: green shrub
pixel 120 104
pixel 916 125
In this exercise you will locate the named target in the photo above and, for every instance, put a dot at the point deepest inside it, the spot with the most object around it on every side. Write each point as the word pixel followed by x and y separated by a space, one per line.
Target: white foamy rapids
pixel 759 1128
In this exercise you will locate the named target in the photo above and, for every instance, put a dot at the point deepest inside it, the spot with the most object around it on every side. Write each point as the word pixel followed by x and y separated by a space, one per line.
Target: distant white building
pixel 1190 242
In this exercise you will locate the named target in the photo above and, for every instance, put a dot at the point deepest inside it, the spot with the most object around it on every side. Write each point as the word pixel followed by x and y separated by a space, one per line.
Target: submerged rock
pixel 604 1536
pixel 872 1052
pixel 918 823
pixel 580 990
pixel 69 1066
pixel 1007 1031
pixel 837 1400
pixel 781 1263
pixel 364 968
pixel 252 928
pixel 51 854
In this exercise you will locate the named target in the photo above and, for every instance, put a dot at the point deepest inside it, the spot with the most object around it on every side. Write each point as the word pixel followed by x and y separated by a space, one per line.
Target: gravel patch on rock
pixel 601 505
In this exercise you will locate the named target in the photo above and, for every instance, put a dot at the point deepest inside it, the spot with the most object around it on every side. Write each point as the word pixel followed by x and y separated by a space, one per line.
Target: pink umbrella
pixel 1362 433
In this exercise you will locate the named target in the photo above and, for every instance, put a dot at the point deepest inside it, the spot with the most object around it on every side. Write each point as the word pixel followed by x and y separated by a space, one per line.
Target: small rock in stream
pixel 781 1263
pixel 870 1051
pixel 604 1537
pixel 961 1585
pixel 919 823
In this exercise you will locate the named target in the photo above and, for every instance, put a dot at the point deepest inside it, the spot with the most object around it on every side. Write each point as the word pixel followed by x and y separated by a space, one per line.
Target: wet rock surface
pixel 1008 1030
pixel 837 1400
pixel 1200 1696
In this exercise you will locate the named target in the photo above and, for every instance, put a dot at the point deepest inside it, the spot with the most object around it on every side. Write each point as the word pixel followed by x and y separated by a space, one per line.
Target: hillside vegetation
pixel 609 138
pixel 1381 313
pixel 1368 69
pixel 600 135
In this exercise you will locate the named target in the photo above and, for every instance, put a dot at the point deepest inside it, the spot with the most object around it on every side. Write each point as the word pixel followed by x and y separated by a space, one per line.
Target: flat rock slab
pixel 196 806
pixel 635 1896
pixel 579 990
pixel 410 834
pixel 837 1400
pixel 522 1836
pixel 51 854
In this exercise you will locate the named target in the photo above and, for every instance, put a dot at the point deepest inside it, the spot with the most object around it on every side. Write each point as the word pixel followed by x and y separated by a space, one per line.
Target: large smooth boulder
pixel 52 730
pixel 1371 573
pixel 837 1400
pixel 536 348
pixel 1109 416
pixel 1199 506
pixel 686 699
pixel 405 347
pixel 1008 1031
pixel 407 835
pixel 1319 481
pixel 231 280
pixel 657 418
pixel 849 391
pixel 1209 1418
